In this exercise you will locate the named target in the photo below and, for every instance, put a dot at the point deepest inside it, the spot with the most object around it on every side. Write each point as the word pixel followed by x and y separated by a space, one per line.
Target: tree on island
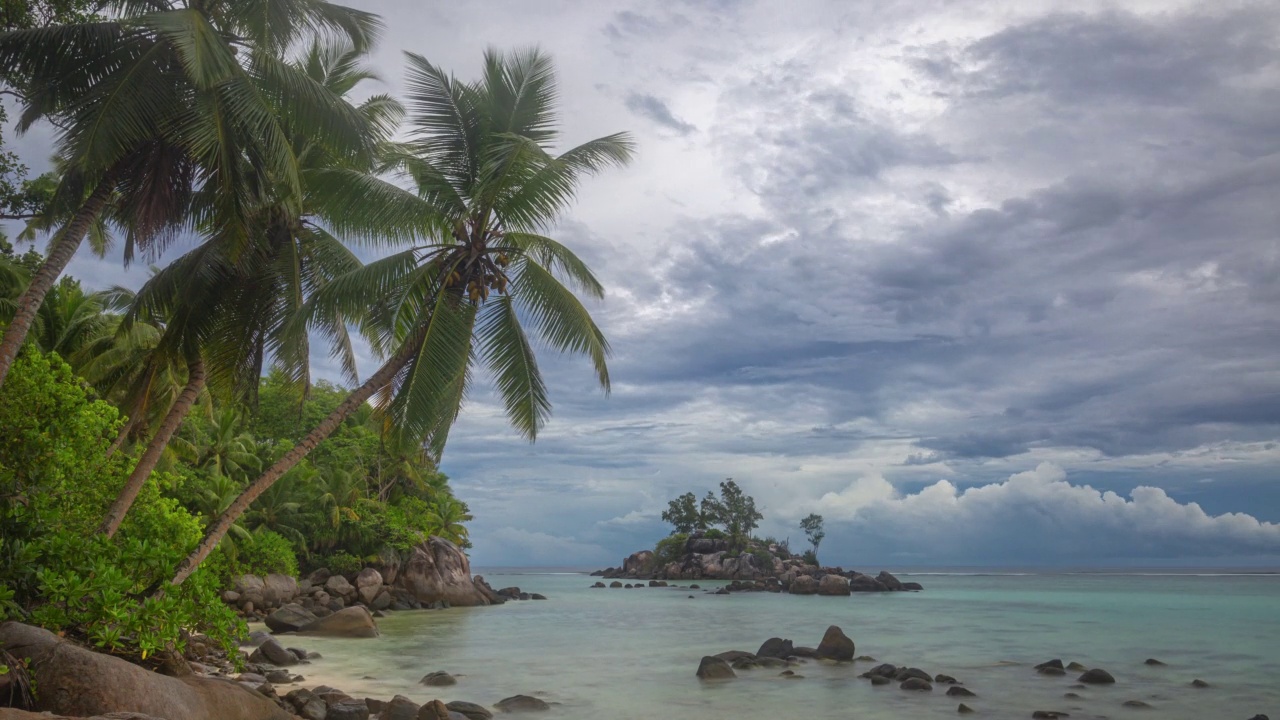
pixel 734 510
pixel 812 527
pixel 684 514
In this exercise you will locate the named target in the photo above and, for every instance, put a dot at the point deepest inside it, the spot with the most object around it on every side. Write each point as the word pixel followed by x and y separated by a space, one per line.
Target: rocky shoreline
pixel 436 574
pixel 761 568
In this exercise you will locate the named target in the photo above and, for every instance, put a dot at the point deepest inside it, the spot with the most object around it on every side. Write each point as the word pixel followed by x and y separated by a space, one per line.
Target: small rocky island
pixel 761 567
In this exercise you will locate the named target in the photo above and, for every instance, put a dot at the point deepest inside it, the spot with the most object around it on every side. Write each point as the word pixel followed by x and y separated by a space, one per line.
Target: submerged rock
pixel 438 678
pixel 714 668
pixel 775 647
pixel 958 691
pixel 916 683
pixel 522 703
pixel 964 709
pixel 1097 676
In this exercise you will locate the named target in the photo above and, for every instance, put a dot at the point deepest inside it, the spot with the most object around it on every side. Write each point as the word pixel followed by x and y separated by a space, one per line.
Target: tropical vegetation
pixel 156 441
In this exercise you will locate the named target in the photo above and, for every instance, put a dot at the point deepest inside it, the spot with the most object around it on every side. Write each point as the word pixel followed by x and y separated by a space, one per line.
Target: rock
pixel 776 648
pixel 290 618
pixel 352 622
pixel 1055 663
pixel 375 706
pixel 615 584
pixel 1152 661
pixel 369 577
pixel 1071 696
pixel 944 679
pixel 537 596
pixel 338 586
pixel 883 670
pixel 1097 676
pixel 744 663
pixel 1076 667
pixel 522 703
pixel 438 678
pixel 640 563
pixel 889 581
pixel 1048 715
pixel 1198 683
pixel 833 585
pixel 598 584
pixel 916 587
pixel 437 710
pixel 256 638
pixel 382 601
pixel 78 682
pixel 880 680
pixel 1136 704
pixel 731 655
pixel 230 596
pixel 348 709
pixel 804 585
pixel 916 683
pixel 804 652
pixel 400 708
pixel 274 653
pixel 471 710
pixel 277 677
pixel 714 668
pixel 771 662
pixel 836 645
pixel 866 583
pixel 307 704
pixel 908 673
pixel 438 570
pixel 964 709
pixel 958 691
pixel 278 589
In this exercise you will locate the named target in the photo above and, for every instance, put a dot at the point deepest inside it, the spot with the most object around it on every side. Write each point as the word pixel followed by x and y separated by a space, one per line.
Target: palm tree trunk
pixel 213 535
pixel 151 456
pixel 61 251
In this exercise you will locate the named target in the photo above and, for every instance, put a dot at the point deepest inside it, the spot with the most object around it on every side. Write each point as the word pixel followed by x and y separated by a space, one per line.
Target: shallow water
pixel 631 654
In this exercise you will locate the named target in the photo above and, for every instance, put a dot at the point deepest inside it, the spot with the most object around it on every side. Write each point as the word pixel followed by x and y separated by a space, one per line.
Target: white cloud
pixel 1035 515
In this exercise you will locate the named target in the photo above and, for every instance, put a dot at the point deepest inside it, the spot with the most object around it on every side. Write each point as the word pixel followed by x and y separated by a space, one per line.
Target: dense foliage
pixel 153 444
pixel 733 510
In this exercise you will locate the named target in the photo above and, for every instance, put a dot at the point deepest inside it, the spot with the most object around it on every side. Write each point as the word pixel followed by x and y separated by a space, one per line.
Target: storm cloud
pixel 932 269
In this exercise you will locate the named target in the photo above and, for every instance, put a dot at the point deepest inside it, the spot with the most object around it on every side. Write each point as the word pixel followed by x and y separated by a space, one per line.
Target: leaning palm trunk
pixel 215 532
pixel 151 456
pixel 61 251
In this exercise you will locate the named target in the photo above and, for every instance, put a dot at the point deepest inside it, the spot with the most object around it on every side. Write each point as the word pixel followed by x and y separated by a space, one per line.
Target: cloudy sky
pixel 982 283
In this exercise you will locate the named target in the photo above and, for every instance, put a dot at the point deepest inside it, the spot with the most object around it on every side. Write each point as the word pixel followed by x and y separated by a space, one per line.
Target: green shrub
pixel 266 552
pixel 715 534
pixel 764 560
pixel 670 549
pixel 343 563
pixel 810 557
pixel 55 487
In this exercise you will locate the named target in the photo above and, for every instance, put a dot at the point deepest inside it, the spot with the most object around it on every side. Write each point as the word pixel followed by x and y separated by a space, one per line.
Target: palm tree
pixel 447 518
pixel 232 300
pixel 486 177
pixel 168 112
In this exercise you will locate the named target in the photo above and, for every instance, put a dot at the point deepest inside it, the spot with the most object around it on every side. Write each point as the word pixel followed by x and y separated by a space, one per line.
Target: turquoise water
pixel 631 654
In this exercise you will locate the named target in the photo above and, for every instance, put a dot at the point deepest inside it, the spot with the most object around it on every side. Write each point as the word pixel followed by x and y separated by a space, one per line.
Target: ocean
pixel 632 654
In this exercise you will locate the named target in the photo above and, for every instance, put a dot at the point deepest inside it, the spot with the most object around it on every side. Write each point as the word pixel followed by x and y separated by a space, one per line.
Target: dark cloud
pixel 651 108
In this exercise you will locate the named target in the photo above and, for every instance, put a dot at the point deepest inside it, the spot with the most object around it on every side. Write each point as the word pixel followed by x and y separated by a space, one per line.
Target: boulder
pixel 437 710
pixel 804 585
pixel 888 580
pixel 352 622
pixel 279 589
pixel 369 577
pixel 338 587
pixel 274 653
pixel 307 704
pixel 1097 676
pixel 488 592
pixel 917 587
pixel 290 618
pixel 438 570
pixel 615 584
pixel 916 683
pixel 382 601
pixel 866 583
pixel 522 703
pixel 74 681
pixel 958 691
pixel 640 563
pixel 348 709
pixel 438 678
pixel 833 585
pixel 15 714
pixel 775 647
pixel 964 709
pixel 1198 683
pixel 836 645
pixel 713 668
pixel 400 708
pixel 731 655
